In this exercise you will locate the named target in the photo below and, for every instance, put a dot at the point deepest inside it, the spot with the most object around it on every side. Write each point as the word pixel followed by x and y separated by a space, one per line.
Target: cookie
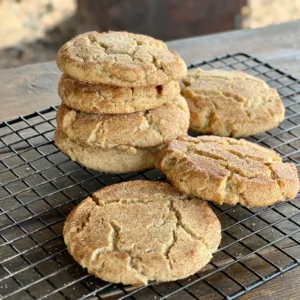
pixel 231 103
pixel 108 99
pixel 137 231
pixel 121 159
pixel 121 59
pixel 141 129
pixel 229 171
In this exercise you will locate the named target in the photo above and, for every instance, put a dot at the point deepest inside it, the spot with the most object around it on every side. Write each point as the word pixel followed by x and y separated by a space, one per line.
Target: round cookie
pixel 137 231
pixel 231 103
pixel 225 170
pixel 108 99
pixel 121 159
pixel 121 59
pixel 141 129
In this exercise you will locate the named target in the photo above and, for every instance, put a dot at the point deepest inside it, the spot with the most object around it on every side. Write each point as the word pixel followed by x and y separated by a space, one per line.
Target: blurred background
pixel 33 30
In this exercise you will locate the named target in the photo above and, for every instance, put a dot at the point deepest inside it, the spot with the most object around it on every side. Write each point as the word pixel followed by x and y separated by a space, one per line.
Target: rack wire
pixel 39 186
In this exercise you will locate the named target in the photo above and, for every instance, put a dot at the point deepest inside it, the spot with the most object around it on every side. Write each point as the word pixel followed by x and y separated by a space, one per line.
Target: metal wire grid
pixel 40 186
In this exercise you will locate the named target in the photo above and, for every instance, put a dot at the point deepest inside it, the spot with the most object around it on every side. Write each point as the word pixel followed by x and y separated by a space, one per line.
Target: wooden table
pixel 34 87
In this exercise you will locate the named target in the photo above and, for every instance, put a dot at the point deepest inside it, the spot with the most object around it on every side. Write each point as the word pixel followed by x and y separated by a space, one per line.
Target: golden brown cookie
pixel 141 129
pixel 225 170
pixel 137 231
pixel 231 103
pixel 108 99
pixel 120 159
pixel 121 59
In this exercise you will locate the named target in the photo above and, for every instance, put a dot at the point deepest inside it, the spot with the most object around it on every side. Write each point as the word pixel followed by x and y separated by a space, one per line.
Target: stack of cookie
pixel 121 100
pixel 121 104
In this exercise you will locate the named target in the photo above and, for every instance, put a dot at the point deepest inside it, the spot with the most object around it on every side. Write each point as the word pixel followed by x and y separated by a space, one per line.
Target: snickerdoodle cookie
pixel 226 170
pixel 121 59
pixel 141 129
pixel 230 103
pixel 120 159
pixel 108 99
pixel 138 231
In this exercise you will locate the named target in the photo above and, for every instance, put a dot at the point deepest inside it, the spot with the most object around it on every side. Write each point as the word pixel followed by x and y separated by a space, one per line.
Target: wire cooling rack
pixel 40 186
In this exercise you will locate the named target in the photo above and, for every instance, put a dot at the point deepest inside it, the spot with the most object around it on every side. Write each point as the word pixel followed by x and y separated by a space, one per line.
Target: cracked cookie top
pixel 141 129
pixel 137 231
pixel 225 170
pixel 230 103
pixel 121 59
pixel 108 99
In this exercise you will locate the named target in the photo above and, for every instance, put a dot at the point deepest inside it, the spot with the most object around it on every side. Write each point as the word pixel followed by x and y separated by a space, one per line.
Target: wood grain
pixel 278 45
pixel 284 287
pixel 27 89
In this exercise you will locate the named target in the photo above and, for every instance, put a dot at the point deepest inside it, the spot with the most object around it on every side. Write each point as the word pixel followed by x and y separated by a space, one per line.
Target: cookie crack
pixel 231 186
pixel 233 142
pixel 113 248
pixel 247 109
pixel 241 77
pixel 224 164
pixel 115 236
pixel 84 224
pixel 109 248
pixel 180 223
pixel 277 180
pixel 153 126
pixel 230 125
pixel 213 114
pixel 130 54
pixel 167 249
pixel 124 201
pixel 99 130
pixel 127 202
pixel 146 123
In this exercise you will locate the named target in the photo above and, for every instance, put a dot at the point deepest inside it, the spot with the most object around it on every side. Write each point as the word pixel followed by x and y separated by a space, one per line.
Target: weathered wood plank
pixel 284 287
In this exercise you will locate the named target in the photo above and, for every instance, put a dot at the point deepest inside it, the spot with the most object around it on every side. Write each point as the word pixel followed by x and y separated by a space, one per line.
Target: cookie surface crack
pixel 224 170
pixel 85 224
pixel 145 129
pixel 257 106
pixel 180 223
pixel 140 231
